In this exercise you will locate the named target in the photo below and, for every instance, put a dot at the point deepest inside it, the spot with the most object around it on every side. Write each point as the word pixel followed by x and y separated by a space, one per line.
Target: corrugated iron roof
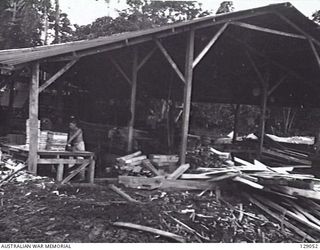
pixel 14 57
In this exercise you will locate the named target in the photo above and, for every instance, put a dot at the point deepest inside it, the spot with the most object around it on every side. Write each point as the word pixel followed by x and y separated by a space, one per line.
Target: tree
pixel 316 16
pixel 225 7
pixel 141 14
pixel 20 24
pixel 27 23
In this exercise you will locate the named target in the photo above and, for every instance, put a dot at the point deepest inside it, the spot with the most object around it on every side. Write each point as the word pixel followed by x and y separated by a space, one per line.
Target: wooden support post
pixel 236 123
pixel 60 172
pixel 33 118
pixel 133 97
pixel 315 53
pixel 263 117
pixel 264 88
pixel 10 106
pixel 91 171
pixel 187 95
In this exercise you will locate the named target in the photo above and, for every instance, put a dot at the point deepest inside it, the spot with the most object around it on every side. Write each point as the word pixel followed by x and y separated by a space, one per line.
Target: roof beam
pixel 57 75
pixel 146 58
pixel 279 65
pixel 125 76
pixel 209 45
pixel 315 53
pixel 267 30
pixel 158 35
pixel 297 28
pixel 170 60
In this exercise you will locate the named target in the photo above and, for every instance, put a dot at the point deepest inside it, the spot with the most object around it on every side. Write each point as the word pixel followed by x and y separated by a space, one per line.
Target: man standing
pixel 75 141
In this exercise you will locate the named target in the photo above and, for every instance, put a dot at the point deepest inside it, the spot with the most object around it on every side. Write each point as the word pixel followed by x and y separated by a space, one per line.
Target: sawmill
pixel 135 97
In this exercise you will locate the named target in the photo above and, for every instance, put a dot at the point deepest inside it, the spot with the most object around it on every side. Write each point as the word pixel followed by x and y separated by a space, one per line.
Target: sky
pixel 83 12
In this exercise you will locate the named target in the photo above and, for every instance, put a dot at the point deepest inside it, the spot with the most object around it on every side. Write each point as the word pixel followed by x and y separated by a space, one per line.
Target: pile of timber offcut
pixel 208 158
pixel 293 199
pixel 278 154
pixel 137 164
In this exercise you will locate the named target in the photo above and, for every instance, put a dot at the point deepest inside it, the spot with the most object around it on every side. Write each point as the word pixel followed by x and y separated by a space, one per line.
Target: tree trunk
pixel 56 26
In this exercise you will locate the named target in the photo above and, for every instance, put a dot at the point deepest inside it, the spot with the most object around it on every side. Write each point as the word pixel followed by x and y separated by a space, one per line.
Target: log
pixel 122 193
pixel 179 171
pixel 175 237
pixel 280 219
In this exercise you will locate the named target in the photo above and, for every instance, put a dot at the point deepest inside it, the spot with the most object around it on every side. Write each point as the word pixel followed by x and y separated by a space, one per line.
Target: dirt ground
pixel 37 210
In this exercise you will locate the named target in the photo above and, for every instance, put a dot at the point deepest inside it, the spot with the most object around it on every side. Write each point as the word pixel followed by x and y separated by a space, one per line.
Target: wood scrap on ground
pixel 172 236
pixel 303 234
pixel 16 170
pixel 254 177
pixel 178 172
pixel 122 194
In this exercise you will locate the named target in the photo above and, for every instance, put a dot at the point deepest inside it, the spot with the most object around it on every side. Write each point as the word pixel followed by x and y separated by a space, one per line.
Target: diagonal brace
pixel 277 84
pixel 209 45
pixel 267 30
pixel 57 75
pixel 254 66
pixel 114 62
pixel 170 60
pixel 75 172
pixel 146 58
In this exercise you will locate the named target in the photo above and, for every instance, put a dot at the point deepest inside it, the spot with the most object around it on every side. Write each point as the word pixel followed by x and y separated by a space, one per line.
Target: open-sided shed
pixel 267 55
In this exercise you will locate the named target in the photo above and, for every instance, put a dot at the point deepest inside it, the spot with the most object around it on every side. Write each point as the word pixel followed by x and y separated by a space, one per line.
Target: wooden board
pixel 165 184
pixel 298 192
pixel 179 171
pixel 286 157
pixel 147 164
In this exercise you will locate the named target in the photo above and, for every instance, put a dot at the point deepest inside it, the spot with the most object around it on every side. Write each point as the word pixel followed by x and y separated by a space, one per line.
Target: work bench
pixel 62 159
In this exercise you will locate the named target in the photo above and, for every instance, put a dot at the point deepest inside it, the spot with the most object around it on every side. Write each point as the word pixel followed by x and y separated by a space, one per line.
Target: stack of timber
pixel 57 141
pixel 164 160
pixel 286 156
pixel 137 164
pixel 42 136
pixel 208 157
pixel 279 154
pixel 290 198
